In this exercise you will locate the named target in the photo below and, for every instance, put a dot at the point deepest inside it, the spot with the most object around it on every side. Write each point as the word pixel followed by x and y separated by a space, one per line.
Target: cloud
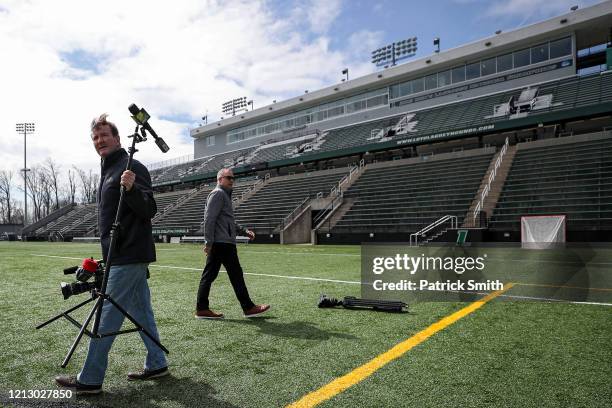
pixel 67 61
pixel 322 14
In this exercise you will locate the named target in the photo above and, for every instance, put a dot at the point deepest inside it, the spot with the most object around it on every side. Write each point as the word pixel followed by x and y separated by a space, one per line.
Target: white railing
pixel 250 189
pixel 487 188
pixel 170 162
pixel 296 211
pixel 354 169
pixel 415 236
pixel 326 212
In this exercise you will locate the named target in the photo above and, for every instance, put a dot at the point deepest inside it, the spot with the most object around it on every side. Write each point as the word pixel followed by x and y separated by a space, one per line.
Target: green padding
pixel 609 58
pixel 461 236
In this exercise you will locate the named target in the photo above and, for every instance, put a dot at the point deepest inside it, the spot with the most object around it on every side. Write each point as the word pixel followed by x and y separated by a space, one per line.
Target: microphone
pixel 142 117
pixel 71 270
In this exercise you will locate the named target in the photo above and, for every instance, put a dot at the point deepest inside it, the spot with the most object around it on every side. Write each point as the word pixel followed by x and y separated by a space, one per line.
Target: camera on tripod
pixel 90 268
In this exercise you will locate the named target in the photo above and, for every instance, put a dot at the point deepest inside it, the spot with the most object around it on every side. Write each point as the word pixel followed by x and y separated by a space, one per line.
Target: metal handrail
pixel 320 218
pixel 416 235
pixel 485 191
pixel 289 218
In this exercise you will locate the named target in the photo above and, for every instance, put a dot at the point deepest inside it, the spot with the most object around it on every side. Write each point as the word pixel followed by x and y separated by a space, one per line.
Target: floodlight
pixel 393 52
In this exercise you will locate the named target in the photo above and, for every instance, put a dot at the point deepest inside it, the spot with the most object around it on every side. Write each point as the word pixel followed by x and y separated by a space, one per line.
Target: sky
pixel 65 61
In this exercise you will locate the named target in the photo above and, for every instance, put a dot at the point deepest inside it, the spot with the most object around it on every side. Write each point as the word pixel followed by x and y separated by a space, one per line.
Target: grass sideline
pixel 504 354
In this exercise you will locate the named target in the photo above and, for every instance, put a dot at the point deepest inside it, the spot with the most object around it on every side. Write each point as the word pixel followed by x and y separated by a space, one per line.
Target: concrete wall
pixel 298 232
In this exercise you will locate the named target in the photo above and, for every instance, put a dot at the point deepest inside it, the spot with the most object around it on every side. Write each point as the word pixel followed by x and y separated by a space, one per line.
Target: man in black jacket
pixel 127 279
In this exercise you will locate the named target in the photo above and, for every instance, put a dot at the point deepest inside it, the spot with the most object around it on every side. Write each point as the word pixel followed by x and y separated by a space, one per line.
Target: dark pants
pixel 226 254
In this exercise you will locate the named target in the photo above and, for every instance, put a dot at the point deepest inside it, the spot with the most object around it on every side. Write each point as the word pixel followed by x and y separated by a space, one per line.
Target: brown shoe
pixel 148 374
pixel 208 314
pixel 256 310
pixel 66 381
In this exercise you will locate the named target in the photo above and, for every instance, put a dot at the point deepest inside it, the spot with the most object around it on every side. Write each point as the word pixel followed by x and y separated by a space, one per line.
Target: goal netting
pixel 542 231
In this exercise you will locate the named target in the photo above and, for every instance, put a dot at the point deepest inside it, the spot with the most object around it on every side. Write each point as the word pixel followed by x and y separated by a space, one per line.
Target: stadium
pixel 503 145
pixel 309 167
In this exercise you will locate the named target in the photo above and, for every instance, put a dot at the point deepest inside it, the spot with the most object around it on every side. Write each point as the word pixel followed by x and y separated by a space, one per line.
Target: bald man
pixel 220 230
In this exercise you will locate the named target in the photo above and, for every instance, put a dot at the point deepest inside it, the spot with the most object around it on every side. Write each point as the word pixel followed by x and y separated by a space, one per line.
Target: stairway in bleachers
pixel 574 179
pixel 408 197
pixel 165 201
pixel 189 214
pixel 266 209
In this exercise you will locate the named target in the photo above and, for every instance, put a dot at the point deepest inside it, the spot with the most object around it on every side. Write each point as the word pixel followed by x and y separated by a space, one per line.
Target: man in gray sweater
pixel 220 247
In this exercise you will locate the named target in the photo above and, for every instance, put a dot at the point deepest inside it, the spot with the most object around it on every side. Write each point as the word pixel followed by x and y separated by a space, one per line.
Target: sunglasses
pixel 229 177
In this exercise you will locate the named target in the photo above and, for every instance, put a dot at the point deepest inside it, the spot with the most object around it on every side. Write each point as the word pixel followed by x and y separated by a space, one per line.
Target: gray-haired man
pixel 220 247
pixel 127 279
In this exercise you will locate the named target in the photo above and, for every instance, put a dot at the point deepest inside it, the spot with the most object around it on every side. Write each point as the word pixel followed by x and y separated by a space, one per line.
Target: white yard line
pixel 305 278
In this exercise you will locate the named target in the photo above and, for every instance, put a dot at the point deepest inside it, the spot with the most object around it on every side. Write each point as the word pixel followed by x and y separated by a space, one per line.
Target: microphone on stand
pixel 141 116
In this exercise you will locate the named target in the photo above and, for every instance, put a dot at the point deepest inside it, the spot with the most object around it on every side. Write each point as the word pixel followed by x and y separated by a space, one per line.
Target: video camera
pixel 90 268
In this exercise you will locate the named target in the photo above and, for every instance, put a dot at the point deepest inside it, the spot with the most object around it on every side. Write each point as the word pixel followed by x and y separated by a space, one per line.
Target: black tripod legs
pixel 65 314
pixel 139 327
pixel 98 304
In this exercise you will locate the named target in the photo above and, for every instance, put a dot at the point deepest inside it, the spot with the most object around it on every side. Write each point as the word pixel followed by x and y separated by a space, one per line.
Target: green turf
pixel 504 354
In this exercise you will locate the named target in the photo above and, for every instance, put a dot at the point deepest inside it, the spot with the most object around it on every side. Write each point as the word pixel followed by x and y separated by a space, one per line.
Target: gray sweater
pixel 219 223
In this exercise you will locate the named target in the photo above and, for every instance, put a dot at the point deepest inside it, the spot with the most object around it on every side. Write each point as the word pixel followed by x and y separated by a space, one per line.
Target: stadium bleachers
pixel 265 210
pixel 87 222
pixel 567 94
pixel 574 179
pixel 354 135
pixel 408 197
pixel 78 215
pixel 167 200
pixel 189 215
pixel 199 166
pixel 272 153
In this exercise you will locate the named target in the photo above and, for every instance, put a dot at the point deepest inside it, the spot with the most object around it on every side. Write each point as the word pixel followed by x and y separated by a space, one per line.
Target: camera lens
pixel 69 289
pixel 66 290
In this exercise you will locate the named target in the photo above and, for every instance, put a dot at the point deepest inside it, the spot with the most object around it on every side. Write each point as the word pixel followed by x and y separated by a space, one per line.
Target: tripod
pixel 99 295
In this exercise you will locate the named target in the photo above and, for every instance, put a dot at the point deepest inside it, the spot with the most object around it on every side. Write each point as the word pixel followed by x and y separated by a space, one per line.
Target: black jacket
pixel 135 239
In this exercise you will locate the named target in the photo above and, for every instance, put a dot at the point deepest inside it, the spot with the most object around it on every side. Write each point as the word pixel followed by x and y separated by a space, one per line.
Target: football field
pixel 496 351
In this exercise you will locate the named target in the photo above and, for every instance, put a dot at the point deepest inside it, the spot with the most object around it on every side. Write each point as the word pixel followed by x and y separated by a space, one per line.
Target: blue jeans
pixel 127 286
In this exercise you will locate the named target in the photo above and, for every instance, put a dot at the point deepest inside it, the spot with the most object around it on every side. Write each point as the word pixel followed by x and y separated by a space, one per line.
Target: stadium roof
pixel 591 25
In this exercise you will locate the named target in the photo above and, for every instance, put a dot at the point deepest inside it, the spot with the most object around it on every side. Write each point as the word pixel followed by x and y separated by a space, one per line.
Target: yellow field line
pixel 562 286
pixel 361 373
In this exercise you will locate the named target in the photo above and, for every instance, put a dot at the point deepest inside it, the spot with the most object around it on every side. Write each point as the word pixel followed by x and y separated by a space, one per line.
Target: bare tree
pixel 6 201
pixel 37 181
pixel 53 173
pixel 46 192
pixel 89 185
pixel 72 186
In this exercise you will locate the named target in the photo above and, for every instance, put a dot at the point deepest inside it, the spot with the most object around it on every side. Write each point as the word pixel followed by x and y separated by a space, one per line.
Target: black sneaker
pixel 66 381
pixel 148 374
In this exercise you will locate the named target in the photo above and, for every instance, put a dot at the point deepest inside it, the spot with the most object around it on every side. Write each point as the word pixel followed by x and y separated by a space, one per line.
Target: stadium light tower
pixel 390 54
pixel 234 105
pixel 25 128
